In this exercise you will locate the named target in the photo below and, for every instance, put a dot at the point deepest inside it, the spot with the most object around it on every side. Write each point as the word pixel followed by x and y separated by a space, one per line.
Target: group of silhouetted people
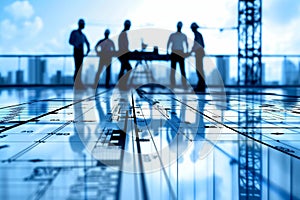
pixel 105 48
pixel 179 51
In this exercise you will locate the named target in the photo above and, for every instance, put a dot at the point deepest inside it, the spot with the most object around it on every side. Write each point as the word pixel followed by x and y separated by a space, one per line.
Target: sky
pixel 44 26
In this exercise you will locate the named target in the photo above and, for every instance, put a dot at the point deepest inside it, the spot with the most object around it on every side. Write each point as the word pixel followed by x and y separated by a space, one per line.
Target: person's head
pixel 194 26
pixel 127 24
pixel 106 33
pixel 179 26
pixel 81 24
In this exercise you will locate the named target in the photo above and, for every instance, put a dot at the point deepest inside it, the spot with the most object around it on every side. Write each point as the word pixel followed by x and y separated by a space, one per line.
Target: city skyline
pixel 43 73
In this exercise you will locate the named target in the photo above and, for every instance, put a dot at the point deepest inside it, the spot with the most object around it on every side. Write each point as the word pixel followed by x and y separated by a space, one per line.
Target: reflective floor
pixel 149 143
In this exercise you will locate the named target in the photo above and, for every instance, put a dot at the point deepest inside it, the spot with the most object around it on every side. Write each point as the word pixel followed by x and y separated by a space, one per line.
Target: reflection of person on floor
pixel 198 49
pixel 105 48
pixel 177 129
pixel 77 40
pixel 177 41
pixel 123 53
pixel 199 133
pixel 81 134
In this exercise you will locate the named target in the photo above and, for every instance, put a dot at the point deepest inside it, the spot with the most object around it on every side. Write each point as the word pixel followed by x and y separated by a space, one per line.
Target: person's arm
pixel 96 47
pixel 126 42
pixel 186 44
pixel 193 48
pixel 113 48
pixel 168 44
pixel 88 46
pixel 71 39
pixel 196 44
pixel 202 41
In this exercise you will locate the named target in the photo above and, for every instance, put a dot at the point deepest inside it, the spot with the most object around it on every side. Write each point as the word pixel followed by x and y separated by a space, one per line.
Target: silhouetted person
pixel 77 40
pixel 123 53
pixel 105 48
pixel 198 48
pixel 177 41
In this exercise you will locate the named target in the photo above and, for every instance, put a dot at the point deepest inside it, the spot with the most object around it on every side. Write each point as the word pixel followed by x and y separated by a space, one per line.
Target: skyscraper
pixel 36 70
pixel 223 67
pixel 19 77
pixel 289 73
pixel 9 78
pixel 1 79
pixel 57 78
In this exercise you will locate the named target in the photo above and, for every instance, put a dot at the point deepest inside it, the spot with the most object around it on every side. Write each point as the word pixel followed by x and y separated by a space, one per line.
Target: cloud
pixel 33 27
pixel 22 22
pixel 8 29
pixel 20 9
pixel 280 30
pixel 279 39
pixel 16 30
pixel 281 12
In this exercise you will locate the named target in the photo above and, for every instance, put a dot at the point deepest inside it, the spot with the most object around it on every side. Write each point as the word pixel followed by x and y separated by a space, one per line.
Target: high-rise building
pixel 19 77
pixel 1 79
pixel 289 74
pixel 68 80
pixel 57 78
pixel 9 78
pixel 36 70
pixel 223 67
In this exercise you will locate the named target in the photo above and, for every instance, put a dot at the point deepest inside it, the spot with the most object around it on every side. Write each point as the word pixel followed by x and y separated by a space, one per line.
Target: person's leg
pixel 78 59
pixel 108 73
pixel 182 70
pixel 122 68
pixel 122 84
pixel 200 73
pixel 97 77
pixel 124 80
pixel 173 69
pixel 201 84
pixel 125 66
pixel 76 68
pixel 128 65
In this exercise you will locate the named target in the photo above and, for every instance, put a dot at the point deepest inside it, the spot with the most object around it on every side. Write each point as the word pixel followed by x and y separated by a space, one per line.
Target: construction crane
pixel 249 42
pixel 249 75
